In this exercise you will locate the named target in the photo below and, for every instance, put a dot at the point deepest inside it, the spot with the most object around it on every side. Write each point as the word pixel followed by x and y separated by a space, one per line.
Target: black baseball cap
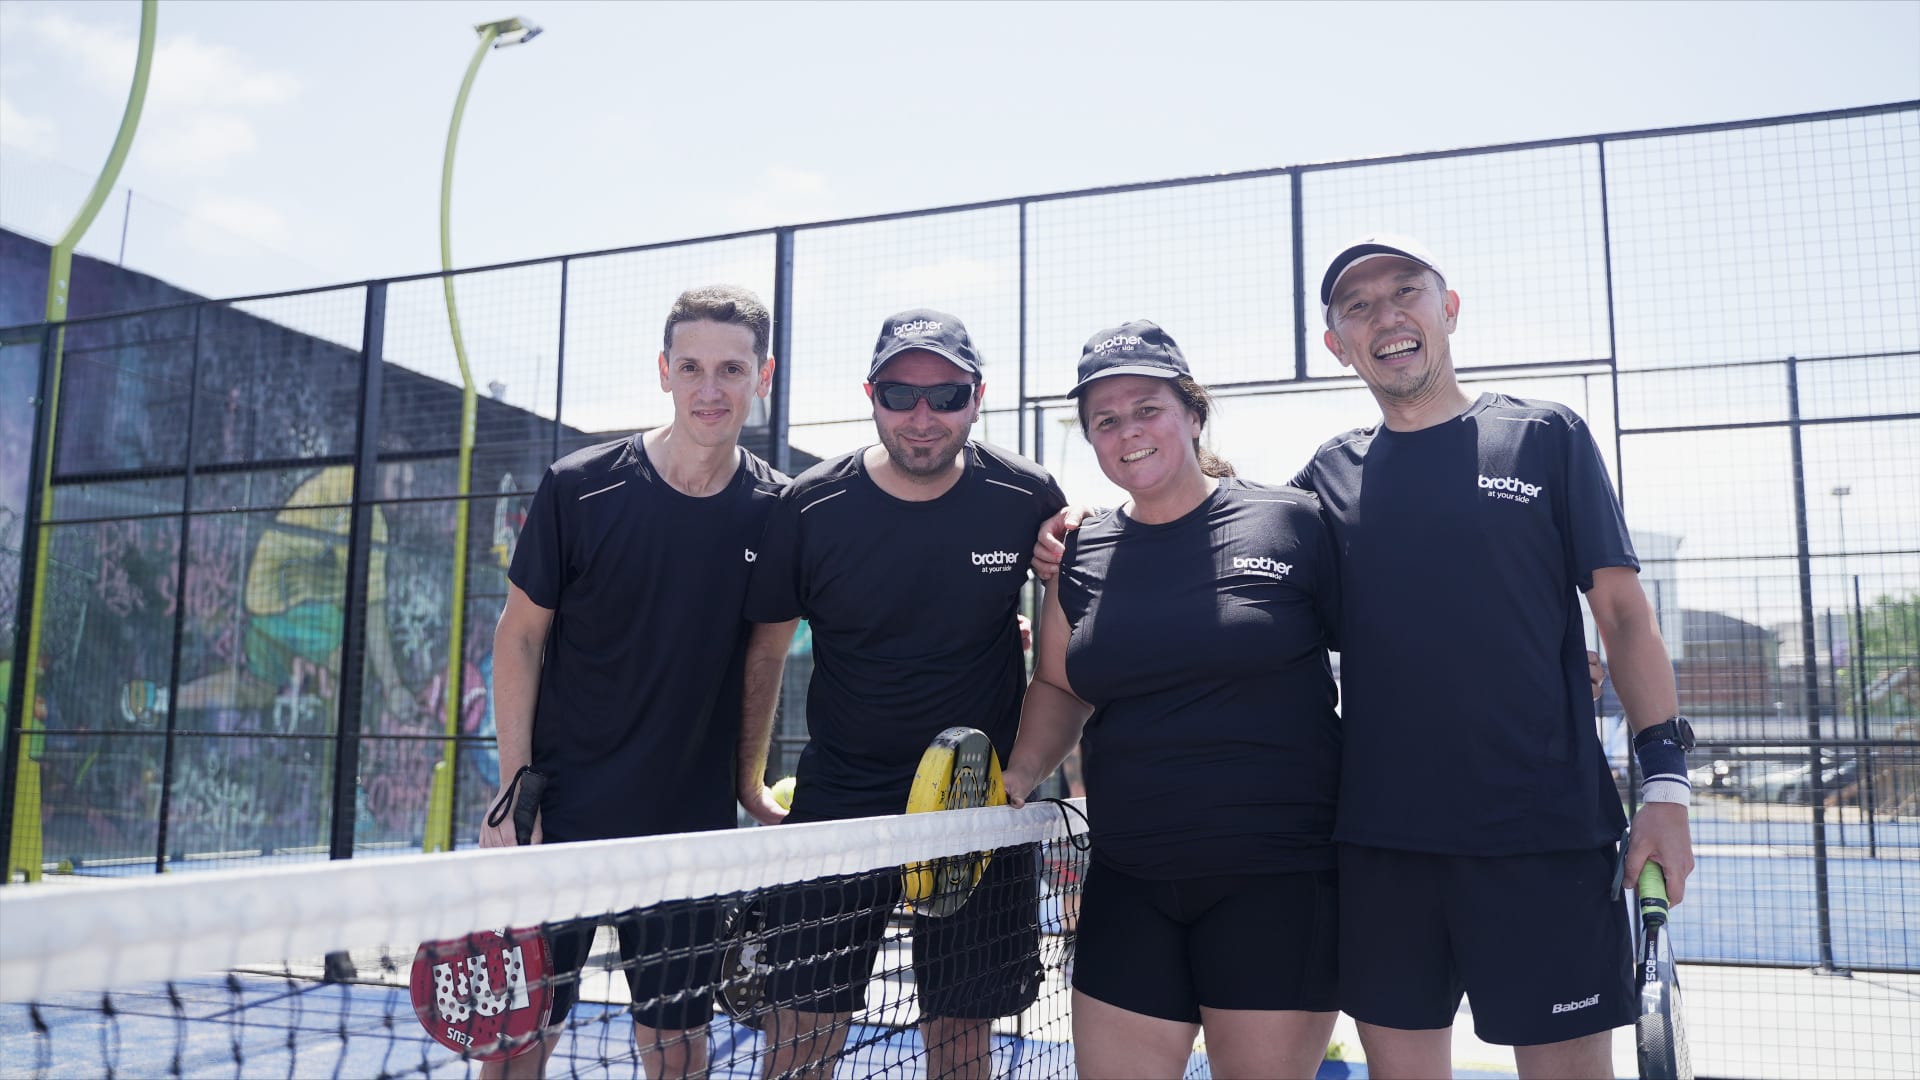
pixel 1373 247
pixel 1137 348
pixel 925 328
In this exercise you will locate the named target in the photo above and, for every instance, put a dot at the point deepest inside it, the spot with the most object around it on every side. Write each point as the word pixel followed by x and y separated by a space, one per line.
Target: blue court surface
pixel 1755 895
pixel 316 1030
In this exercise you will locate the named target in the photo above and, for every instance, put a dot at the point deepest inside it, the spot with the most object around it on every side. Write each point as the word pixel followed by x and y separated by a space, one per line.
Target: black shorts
pixel 1538 943
pixel 670 956
pixel 1245 941
pixel 979 963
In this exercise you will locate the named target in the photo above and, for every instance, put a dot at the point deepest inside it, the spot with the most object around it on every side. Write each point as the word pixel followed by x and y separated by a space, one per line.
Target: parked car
pixel 1768 782
pixel 1834 777
pixel 1720 774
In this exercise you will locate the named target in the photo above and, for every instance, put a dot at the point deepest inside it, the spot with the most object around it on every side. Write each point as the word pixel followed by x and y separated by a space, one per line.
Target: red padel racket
pixel 487 995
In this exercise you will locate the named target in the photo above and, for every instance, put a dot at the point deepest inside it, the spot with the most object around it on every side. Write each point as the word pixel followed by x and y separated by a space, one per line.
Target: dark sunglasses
pixel 901 397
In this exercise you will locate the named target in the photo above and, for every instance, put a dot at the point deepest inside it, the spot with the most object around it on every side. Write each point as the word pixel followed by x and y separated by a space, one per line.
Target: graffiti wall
pixel 189 700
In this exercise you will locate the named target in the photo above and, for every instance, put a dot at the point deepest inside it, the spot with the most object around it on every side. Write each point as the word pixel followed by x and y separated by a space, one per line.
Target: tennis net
pixel 757 938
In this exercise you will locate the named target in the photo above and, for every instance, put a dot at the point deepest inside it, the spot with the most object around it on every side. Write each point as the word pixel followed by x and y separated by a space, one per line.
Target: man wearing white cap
pixel 1478 821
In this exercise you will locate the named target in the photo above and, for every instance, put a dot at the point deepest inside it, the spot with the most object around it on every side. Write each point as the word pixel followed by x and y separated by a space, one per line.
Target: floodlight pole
pixel 439 833
pixel 23 839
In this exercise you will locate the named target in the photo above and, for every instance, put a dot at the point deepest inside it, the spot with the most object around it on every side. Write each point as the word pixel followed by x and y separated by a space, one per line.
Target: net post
pixel 360 540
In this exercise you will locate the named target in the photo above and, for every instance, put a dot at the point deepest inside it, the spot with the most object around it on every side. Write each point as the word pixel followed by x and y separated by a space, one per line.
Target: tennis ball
pixel 783 792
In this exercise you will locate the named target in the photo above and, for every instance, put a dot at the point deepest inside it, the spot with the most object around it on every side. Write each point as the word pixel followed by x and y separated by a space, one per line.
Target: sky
pixel 295 144
pixel 303 141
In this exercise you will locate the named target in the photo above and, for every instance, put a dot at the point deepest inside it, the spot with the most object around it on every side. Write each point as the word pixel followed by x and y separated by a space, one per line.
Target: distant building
pixel 1725 665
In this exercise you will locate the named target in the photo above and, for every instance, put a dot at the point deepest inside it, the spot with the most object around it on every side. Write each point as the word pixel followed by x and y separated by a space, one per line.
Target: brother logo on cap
pixel 1136 348
pixel 1119 342
pixel 936 332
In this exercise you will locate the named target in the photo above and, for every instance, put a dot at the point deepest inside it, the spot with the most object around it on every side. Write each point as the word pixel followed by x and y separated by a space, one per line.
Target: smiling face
pixel 922 443
pixel 711 371
pixel 1142 434
pixel 1389 321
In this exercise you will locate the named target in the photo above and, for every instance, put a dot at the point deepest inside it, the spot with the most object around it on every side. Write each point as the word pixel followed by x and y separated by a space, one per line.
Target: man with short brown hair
pixel 619 656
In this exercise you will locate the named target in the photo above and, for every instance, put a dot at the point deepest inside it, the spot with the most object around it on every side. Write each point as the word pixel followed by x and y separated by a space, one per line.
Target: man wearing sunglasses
pixel 908 558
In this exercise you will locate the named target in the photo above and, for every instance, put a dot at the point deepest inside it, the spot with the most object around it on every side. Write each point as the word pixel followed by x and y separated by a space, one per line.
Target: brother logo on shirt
pixel 751 554
pixel 1263 566
pixel 916 328
pixel 1509 487
pixel 1121 341
pixel 1571 1006
pixel 993 562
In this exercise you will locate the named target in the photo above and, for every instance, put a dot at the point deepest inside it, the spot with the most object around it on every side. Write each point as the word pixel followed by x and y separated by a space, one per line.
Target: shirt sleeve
pixel 1304 478
pixel 1326 573
pixel 773 591
pixel 539 564
pixel 1596 528
pixel 1052 499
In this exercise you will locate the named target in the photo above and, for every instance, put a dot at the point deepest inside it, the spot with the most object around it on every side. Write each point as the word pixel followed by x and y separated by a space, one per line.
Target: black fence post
pixel 1810 678
pixel 1300 284
pixel 1864 754
pixel 353 644
pixel 1019 419
pixel 1833 695
pixel 560 360
pixel 169 750
pixel 779 449
pixel 18 708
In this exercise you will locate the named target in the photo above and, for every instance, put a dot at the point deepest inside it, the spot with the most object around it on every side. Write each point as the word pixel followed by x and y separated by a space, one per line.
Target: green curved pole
pixel 439 835
pixel 25 843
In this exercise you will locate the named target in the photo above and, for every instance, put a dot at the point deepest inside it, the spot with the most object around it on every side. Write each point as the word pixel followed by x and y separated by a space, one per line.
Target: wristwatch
pixel 1676 728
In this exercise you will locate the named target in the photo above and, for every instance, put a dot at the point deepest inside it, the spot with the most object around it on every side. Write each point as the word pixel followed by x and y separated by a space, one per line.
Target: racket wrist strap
pixel 1663 771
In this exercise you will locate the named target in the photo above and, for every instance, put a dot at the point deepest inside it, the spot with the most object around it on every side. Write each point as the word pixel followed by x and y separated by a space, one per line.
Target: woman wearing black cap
pixel 1187 635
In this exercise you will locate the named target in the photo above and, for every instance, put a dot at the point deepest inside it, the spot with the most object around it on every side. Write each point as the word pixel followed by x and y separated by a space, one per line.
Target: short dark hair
pixel 1197 401
pixel 728 304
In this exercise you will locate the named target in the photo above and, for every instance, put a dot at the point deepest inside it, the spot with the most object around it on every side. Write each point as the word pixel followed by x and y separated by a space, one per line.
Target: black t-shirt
pixel 1213 747
pixel 639 707
pixel 1469 723
pixel 912 609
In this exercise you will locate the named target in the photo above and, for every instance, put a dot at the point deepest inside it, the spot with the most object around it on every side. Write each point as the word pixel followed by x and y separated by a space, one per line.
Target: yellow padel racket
pixel 959 771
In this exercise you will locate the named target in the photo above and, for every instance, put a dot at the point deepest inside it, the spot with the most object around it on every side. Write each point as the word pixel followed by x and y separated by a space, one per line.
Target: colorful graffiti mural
pixel 196 600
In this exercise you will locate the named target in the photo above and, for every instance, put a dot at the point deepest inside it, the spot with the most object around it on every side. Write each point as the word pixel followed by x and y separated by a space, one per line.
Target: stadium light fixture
pixel 513 31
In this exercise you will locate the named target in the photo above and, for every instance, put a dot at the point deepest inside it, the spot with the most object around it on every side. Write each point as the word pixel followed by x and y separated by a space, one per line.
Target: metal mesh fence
pixel 1731 308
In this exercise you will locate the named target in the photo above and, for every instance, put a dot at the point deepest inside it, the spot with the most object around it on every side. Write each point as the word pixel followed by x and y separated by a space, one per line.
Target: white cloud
pixel 26 131
pixel 201 143
pixel 961 277
pixel 198 97
pixel 192 74
pixel 187 73
pixel 240 219
pixel 783 196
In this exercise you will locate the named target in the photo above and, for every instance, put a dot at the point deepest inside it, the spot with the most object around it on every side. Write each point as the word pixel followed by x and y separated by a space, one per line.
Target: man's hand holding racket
pixel 1660 833
pixel 501 835
pixel 1019 785
pixel 513 819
